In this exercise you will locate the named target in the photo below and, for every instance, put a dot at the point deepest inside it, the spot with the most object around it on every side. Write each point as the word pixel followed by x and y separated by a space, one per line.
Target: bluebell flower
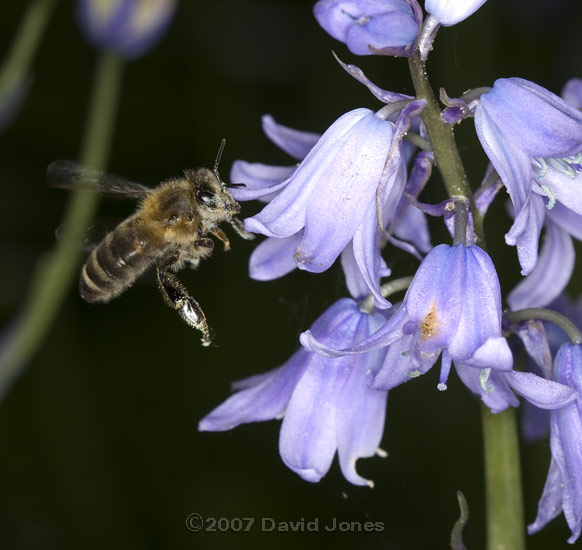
pixel 326 404
pixel 369 27
pixel 451 12
pixel 453 307
pixel 563 488
pixel 555 263
pixel 128 27
pixel 533 138
pixel 542 341
pixel 331 200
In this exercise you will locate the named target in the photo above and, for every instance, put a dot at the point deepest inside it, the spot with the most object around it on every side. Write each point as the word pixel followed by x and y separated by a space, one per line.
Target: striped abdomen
pixel 121 257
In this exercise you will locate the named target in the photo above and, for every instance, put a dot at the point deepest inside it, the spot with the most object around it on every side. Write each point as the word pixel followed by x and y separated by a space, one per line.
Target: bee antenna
pixel 218 156
pixel 235 185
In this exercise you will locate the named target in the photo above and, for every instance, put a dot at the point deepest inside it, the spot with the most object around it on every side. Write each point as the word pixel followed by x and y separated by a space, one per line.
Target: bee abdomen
pixel 114 265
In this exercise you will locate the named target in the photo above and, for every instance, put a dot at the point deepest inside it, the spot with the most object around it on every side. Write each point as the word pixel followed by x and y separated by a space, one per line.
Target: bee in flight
pixel 170 228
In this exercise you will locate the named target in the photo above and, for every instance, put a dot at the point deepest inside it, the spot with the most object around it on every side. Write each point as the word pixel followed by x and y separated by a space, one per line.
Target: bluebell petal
pixel 525 232
pixel 273 258
pixel 307 442
pixel 259 179
pixel 451 12
pixel 480 319
pixel 565 189
pixel 567 220
pixel 551 274
pixel 360 418
pixel 308 439
pixel 264 401
pixel 295 143
pixel 572 92
pixel 544 394
pixel 355 282
pixel 550 504
pixel 385 96
pixel 345 188
pixel 486 193
pixel 382 24
pixel 399 367
pixel 494 392
pixel 329 159
pixel 432 301
pixel 384 336
pixel 493 354
pixel 535 340
pixel 543 124
pixel 366 249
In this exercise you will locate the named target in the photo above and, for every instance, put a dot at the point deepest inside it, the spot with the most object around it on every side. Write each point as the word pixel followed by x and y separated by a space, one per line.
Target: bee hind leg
pixel 177 297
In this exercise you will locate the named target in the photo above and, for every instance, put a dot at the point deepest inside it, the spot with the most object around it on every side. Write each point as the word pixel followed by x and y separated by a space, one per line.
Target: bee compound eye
pixel 205 197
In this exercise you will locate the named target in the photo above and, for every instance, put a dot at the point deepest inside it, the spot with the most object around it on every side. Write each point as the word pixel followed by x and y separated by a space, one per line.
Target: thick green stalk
pixel 505 520
pixel 55 272
pixel 505 517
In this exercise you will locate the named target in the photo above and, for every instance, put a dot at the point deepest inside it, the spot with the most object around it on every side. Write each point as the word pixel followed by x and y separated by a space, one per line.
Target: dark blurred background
pixel 98 439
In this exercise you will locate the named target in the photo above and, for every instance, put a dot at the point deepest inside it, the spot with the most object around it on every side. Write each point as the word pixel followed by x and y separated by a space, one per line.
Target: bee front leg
pixel 221 236
pixel 177 297
pixel 239 227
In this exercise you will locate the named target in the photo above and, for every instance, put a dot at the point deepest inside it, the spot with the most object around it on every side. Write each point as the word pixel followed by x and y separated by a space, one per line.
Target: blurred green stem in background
pixel 16 68
pixel 55 272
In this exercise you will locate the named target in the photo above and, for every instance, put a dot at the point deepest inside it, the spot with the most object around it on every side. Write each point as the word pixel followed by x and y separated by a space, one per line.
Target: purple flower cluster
pixel 355 191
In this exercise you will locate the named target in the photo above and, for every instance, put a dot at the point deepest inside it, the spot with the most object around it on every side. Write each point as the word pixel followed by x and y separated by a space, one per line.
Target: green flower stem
pixel 56 271
pixel 17 64
pixel 505 517
pixel 442 138
pixel 550 315
pixel 505 521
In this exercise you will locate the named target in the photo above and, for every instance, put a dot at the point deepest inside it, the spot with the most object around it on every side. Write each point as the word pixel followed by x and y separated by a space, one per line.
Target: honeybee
pixel 170 229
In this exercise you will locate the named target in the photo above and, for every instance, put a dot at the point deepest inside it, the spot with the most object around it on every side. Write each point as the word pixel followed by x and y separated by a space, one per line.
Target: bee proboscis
pixel 169 229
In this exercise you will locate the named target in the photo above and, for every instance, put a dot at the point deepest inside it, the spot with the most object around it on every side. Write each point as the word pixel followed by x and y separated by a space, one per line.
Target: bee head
pixel 212 197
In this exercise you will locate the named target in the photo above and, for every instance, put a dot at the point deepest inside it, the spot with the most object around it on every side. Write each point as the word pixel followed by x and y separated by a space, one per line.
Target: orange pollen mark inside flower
pixel 429 326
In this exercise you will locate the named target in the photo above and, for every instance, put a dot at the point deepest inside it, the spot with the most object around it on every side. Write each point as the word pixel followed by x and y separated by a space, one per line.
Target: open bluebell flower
pixel 563 489
pixel 533 138
pixel 368 27
pixel 451 12
pixel 128 27
pixel 542 341
pixel 453 306
pixel 331 200
pixel 326 404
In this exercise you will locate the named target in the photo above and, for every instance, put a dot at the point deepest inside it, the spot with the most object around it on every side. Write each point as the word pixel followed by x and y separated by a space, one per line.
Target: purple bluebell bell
pixel 451 12
pixel 542 341
pixel 331 200
pixel 367 27
pixel 130 28
pixel 563 489
pixel 534 140
pixel 327 404
pixel 555 263
pixel 453 306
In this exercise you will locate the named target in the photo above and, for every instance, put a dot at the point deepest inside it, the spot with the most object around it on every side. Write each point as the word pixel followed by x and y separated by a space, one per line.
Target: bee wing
pixel 68 174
